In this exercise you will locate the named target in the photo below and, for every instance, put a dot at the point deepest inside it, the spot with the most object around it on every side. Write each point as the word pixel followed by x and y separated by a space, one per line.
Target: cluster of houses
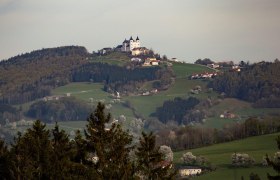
pixel 22 122
pixel 217 66
pixel 55 97
pixel 228 115
pixel 205 75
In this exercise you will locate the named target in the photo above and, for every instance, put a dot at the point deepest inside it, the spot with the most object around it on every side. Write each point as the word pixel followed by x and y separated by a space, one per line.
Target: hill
pixel 30 76
pixel 220 155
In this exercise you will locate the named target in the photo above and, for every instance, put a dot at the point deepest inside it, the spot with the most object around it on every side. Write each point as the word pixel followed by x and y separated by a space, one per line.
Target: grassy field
pixel 183 70
pixel 220 154
pixel 242 109
pixel 115 58
pixel 181 88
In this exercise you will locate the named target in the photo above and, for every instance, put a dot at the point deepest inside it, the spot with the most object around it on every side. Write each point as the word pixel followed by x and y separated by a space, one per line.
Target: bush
pixel 242 160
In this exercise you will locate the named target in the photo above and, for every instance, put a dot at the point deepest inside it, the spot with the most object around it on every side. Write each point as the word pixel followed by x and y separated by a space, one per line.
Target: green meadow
pixel 220 156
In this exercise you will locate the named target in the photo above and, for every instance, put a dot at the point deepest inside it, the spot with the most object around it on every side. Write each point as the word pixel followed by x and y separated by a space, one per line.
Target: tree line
pixel 258 83
pixel 102 153
pixel 189 137
pixel 121 79
pixel 64 109
pixel 175 110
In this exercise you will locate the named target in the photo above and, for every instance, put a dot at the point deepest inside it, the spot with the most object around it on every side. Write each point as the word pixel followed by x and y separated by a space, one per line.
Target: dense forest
pixel 64 109
pixel 32 75
pixel 8 112
pixel 175 110
pixel 102 153
pixel 258 83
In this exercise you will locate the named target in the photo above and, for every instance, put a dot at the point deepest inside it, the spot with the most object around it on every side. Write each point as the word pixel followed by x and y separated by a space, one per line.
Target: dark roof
pixel 119 46
pixel 137 38
pixel 125 41
pixel 131 38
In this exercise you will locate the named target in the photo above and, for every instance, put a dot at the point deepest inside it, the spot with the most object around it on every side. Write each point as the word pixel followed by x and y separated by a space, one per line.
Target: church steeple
pixel 137 38
pixel 131 38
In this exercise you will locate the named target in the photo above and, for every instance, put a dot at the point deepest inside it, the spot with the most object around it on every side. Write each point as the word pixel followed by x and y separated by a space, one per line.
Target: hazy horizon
pixel 221 30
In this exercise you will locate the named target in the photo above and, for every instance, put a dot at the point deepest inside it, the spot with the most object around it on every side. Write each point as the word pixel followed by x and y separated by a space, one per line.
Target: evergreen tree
pixel 31 153
pixel 60 157
pixel 150 162
pixel 109 147
pixel 5 172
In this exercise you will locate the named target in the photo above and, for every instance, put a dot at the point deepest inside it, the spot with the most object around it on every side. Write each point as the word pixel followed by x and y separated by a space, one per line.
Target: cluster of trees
pixel 188 137
pixel 241 160
pixel 258 83
pixel 8 112
pixel 64 109
pixel 175 110
pixel 103 153
pixel 117 78
pixel 189 159
pixel 204 61
pixel 32 75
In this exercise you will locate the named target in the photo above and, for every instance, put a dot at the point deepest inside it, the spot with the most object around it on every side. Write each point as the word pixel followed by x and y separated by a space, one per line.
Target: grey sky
pixel 186 29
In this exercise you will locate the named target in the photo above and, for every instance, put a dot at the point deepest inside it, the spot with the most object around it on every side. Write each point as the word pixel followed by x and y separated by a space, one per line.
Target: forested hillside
pixel 121 79
pixel 258 83
pixel 32 75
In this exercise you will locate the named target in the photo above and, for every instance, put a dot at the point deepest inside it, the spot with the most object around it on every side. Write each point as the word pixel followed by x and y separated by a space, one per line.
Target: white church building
pixel 129 45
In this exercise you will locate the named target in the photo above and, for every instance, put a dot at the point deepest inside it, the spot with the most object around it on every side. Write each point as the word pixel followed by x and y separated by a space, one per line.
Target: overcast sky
pixel 187 29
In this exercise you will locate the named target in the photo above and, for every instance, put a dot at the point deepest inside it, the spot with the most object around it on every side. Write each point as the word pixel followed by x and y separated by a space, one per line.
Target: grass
pixel 146 105
pixel 242 109
pixel 84 91
pixel 115 58
pixel 181 88
pixel 220 154
pixel 183 70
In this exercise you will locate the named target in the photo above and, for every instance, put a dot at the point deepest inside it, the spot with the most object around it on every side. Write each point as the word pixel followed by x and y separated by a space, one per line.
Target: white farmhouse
pixel 189 171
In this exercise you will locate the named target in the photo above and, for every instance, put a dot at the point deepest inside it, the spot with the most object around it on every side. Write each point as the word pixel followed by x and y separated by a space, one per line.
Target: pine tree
pixel 5 172
pixel 111 146
pixel 150 162
pixel 31 153
pixel 60 157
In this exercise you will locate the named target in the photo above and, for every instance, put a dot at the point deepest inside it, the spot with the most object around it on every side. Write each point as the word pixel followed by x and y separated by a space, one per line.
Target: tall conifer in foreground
pixel 150 162
pixel 31 153
pixel 110 146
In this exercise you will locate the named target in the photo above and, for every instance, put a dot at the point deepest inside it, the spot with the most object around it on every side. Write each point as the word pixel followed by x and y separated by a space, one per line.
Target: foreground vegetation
pixel 104 152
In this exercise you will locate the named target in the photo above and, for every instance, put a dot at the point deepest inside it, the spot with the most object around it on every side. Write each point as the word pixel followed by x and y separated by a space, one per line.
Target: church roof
pixel 125 41
pixel 131 38
pixel 137 38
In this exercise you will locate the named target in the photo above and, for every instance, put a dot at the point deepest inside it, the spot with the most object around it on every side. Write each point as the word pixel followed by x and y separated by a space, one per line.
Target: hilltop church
pixel 129 45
